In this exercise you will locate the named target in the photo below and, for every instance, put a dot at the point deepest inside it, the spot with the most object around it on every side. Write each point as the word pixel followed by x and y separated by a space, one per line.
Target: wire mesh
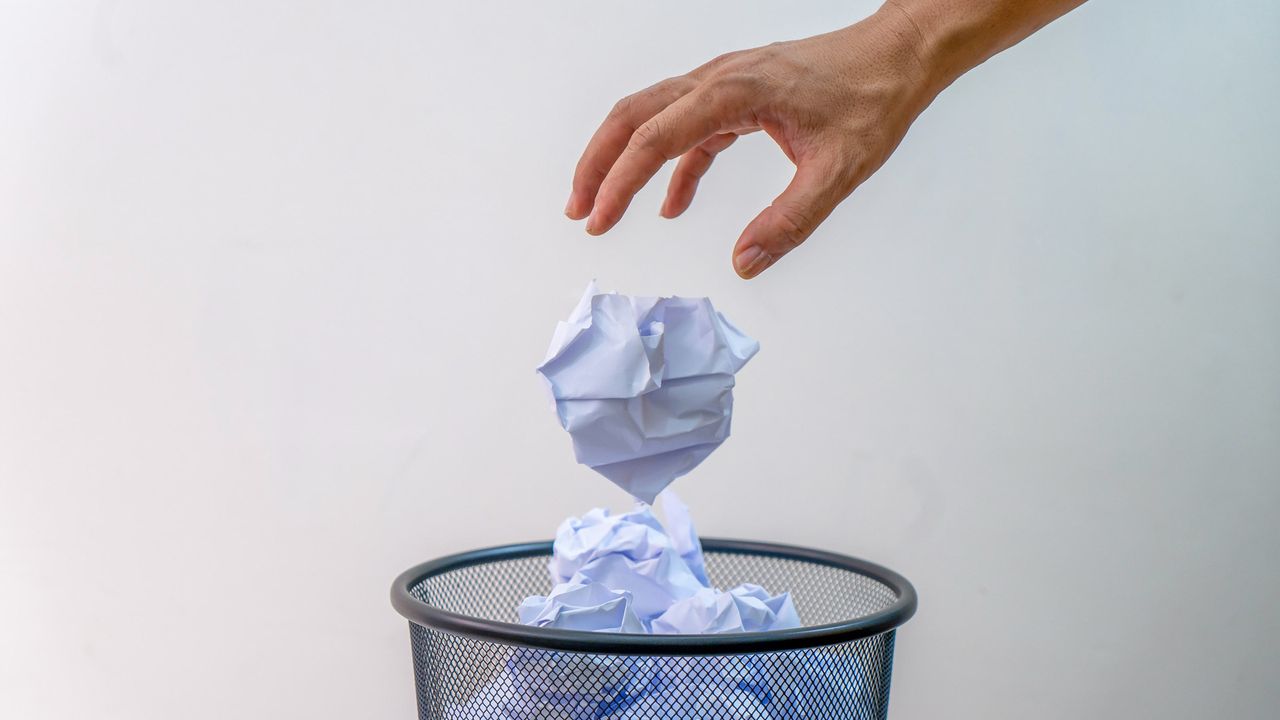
pixel 469 678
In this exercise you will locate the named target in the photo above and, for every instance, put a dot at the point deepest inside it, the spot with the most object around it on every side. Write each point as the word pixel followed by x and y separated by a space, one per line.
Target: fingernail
pixel 751 261
pixel 568 208
pixel 592 224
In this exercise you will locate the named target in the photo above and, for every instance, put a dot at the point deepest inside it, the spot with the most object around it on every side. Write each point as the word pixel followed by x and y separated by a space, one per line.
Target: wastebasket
pixel 473 661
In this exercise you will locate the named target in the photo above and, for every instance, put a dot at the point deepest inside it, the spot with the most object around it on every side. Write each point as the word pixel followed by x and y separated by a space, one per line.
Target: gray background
pixel 274 278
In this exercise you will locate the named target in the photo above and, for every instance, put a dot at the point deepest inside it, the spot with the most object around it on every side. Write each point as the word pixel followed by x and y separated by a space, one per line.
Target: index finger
pixel 611 138
pixel 680 127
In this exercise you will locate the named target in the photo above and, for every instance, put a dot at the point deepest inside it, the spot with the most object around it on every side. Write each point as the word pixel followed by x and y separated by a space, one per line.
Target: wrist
pixel 946 43
pixel 910 49
pixel 955 36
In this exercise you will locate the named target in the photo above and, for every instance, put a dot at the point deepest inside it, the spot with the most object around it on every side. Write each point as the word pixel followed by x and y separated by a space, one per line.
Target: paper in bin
pixel 777 686
pixel 721 688
pixel 698 700
pixel 746 608
pixel 582 606
pixel 609 567
pixel 636 535
pixel 603 556
pixel 644 385
pixel 533 685
pixel 633 564
pixel 542 684
pixel 655 584
pixel 684 538
pixel 809 684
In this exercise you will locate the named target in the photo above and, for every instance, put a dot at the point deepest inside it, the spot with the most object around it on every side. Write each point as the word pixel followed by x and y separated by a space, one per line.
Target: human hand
pixel 837 104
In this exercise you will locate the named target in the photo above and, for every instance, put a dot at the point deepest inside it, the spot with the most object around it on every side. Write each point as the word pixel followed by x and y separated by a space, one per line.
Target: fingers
pixel 612 137
pixel 683 125
pixel 692 166
pixel 813 193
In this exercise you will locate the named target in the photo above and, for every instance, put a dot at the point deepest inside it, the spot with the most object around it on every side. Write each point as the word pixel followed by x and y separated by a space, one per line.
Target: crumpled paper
pixel 715 611
pixel 542 684
pixel 616 572
pixel 728 688
pixel 644 385
pixel 628 573
pixel 683 536
pixel 582 606
pixel 533 685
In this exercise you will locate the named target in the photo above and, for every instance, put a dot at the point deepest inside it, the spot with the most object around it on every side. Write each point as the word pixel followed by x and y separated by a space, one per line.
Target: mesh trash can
pixel 473 661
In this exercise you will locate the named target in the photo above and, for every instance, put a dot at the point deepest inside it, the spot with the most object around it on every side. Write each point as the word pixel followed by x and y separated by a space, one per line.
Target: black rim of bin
pixel 505 633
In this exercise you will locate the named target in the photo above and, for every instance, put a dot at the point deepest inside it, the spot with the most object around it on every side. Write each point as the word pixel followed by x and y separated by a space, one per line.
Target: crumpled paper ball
pixel 644 385
pixel 582 606
pixel 629 573
pixel 716 611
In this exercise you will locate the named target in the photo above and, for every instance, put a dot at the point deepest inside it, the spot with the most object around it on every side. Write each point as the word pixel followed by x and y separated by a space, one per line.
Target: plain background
pixel 274 277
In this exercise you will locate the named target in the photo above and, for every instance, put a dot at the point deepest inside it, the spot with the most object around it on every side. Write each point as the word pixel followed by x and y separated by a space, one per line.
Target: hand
pixel 837 104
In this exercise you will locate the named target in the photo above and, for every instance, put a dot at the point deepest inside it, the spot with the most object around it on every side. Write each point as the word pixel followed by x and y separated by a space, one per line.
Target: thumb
pixel 813 193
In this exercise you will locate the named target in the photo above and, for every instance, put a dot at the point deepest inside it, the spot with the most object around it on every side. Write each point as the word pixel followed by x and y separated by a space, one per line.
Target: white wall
pixel 274 277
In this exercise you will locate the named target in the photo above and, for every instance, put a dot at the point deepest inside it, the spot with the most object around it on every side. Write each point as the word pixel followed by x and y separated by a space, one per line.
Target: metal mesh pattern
pixel 466 678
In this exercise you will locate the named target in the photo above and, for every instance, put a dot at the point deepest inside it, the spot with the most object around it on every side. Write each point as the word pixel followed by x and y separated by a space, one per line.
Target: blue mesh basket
pixel 473 661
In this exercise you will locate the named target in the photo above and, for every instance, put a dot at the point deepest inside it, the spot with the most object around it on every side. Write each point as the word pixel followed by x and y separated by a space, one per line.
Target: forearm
pixel 957 35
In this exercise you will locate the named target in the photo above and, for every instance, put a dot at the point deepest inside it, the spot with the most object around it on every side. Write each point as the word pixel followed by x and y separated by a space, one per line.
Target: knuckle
pixel 722 59
pixel 712 66
pixel 735 86
pixel 623 107
pixel 757 76
pixel 646 137
pixel 673 88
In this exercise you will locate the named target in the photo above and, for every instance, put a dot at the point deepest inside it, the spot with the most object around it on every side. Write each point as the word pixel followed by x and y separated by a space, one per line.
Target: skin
pixel 837 105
